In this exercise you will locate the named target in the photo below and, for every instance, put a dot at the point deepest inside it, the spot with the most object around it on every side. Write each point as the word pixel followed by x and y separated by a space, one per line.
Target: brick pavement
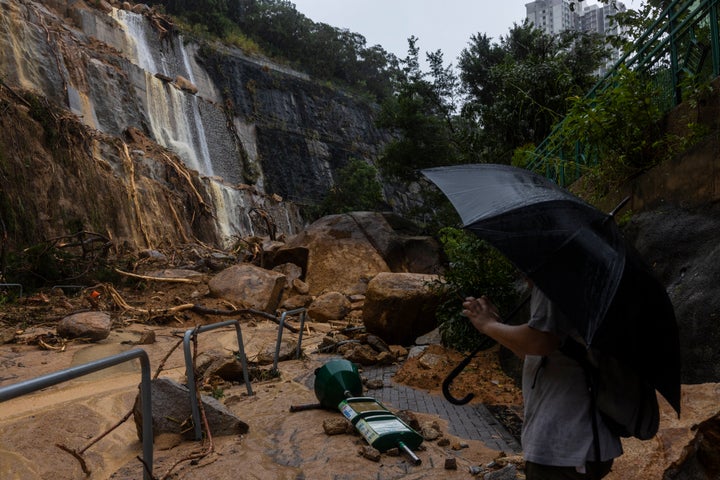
pixel 471 421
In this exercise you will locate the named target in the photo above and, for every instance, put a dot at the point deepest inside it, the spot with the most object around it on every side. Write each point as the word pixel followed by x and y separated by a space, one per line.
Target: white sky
pixel 446 25
pixel 439 24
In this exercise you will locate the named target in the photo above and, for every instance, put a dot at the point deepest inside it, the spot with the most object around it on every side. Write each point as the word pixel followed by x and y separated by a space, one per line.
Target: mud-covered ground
pixel 54 433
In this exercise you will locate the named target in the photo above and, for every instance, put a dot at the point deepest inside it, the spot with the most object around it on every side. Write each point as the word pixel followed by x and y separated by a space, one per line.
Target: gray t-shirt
pixel 557 428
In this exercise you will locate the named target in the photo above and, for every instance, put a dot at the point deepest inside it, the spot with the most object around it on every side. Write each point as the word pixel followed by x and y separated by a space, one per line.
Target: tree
pixel 357 189
pixel 421 115
pixel 518 89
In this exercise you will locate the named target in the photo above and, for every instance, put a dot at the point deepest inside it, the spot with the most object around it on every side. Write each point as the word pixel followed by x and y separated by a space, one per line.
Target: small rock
pixel 374 384
pixel 185 85
pixel 152 254
pixel 443 442
pixel 300 287
pixel 409 418
pixel 329 306
pixel 370 453
pixel 509 472
pixel 360 354
pixel 377 343
pixel 430 434
pixel 146 338
pixel 94 326
pixel 451 463
pixel 385 358
pixel 335 426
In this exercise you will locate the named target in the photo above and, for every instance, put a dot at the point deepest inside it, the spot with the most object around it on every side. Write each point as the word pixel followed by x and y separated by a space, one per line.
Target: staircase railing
pixel 683 42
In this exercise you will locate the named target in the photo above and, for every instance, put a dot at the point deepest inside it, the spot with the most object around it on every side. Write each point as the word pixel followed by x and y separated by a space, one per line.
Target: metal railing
pixel 302 312
pixel 28 386
pixel 677 46
pixel 190 371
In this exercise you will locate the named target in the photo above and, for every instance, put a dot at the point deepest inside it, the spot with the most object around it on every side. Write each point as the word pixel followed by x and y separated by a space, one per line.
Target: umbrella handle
pixel 461 366
pixel 451 376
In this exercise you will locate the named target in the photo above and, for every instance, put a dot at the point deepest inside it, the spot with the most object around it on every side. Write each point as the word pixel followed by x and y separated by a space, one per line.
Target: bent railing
pixel 301 311
pixel 28 386
pixel 190 371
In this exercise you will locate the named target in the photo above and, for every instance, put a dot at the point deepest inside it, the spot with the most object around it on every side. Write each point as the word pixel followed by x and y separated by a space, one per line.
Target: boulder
pixel 329 306
pixel 679 451
pixel 338 255
pixel 682 247
pixel 171 412
pixel 296 301
pixel 399 243
pixel 250 286
pixel 292 273
pixel 94 326
pixel 701 458
pixel 185 85
pixel 399 307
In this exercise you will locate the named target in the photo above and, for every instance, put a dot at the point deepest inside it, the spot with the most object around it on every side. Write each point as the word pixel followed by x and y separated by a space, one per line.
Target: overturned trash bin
pixel 338 386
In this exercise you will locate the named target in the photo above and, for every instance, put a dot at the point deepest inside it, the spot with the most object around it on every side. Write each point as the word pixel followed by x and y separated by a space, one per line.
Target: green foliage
pixel 618 131
pixel 421 113
pixel 357 189
pixel 520 87
pixel 475 268
pixel 276 28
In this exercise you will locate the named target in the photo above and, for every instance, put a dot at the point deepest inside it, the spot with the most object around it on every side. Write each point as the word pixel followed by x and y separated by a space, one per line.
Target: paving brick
pixel 473 422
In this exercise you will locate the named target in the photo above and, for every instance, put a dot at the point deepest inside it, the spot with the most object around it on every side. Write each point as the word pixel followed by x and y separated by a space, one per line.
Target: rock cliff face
pixel 249 133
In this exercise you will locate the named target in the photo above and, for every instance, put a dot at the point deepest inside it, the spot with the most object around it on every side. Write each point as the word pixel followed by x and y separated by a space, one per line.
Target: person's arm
pixel 521 339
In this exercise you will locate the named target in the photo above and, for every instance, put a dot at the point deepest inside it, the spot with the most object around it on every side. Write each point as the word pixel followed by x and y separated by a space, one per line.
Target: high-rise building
pixel 555 16
pixel 551 16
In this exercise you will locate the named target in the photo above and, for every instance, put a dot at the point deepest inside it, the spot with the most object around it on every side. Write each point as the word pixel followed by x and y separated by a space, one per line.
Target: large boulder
pixel 342 252
pixel 682 247
pixel 685 446
pixel 249 286
pixel 171 412
pixel 339 255
pixel 329 306
pixel 400 307
pixel 400 243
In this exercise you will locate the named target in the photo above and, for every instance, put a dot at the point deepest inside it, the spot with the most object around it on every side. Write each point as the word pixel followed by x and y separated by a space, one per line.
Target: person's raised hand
pixel 481 312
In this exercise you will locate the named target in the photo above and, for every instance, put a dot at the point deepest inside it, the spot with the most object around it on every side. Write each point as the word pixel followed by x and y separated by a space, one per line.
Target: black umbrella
pixel 577 256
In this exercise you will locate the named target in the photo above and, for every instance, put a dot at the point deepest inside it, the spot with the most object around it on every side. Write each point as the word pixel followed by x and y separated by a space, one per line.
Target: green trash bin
pixel 335 381
pixel 381 428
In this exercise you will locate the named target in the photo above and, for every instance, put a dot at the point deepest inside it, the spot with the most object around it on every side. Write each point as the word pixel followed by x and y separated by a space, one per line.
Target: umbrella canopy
pixel 577 256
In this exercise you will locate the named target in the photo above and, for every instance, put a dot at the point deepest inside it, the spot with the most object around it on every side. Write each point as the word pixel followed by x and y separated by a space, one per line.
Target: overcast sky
pixel 446 25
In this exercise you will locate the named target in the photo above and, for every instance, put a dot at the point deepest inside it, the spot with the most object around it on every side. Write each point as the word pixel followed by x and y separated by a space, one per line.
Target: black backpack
pixel 627 403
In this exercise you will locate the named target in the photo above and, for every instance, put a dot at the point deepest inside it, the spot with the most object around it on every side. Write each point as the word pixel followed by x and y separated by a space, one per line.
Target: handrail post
pixel 190 371
pixel 280 333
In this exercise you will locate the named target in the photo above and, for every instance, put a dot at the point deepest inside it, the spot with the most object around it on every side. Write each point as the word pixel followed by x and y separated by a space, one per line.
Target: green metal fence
pixel 683 43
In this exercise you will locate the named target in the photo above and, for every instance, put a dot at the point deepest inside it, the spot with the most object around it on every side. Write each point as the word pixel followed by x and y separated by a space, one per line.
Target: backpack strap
pixel 573 349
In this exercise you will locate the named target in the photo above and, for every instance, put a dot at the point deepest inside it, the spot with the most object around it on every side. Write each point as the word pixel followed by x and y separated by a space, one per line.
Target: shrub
pixel 475 268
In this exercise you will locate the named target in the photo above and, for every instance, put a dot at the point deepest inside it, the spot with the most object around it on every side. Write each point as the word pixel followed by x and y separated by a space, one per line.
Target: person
pixel 557 437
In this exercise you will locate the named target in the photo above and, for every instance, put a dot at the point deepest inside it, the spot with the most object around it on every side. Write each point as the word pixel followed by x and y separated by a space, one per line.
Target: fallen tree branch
pixel 157 279
pixel 79 458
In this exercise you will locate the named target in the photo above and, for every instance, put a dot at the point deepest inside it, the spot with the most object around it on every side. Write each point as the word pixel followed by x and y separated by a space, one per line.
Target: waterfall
pixel 232 214
pixel 174 115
